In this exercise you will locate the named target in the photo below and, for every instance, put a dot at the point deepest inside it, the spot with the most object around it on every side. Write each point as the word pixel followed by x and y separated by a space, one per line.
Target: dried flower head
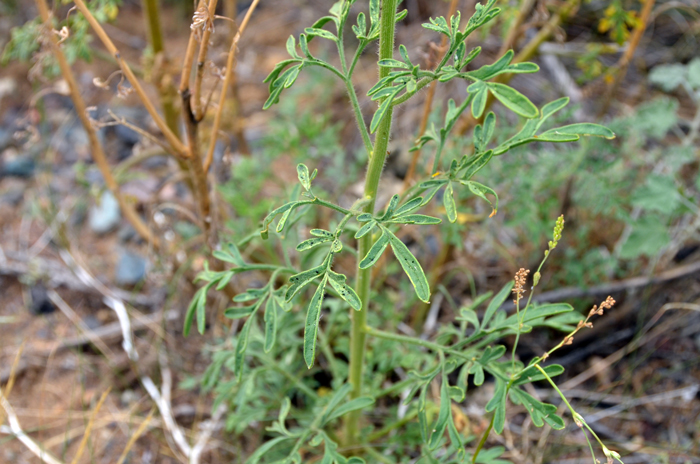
pixel 520 281
pixel 599 310
pixel 201 21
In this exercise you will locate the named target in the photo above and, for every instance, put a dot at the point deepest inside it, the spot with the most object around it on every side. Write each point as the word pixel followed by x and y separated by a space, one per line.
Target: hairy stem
pixel 374 172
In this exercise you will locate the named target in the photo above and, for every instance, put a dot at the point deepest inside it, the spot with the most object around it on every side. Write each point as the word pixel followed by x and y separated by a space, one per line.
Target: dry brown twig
pixel 230 65
pixel 95 146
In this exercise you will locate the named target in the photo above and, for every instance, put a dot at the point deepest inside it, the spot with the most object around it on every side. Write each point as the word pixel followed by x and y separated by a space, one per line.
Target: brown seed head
pixel 520 281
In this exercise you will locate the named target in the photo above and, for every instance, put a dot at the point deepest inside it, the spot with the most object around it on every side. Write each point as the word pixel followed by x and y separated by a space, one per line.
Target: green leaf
pixel 303 44
pixel 391 207
pixel 411 266
pixel 270 217
pixel 230 254
pixel 414 219
pixel 539 411
pixel 291 47
pixel 584 128
pixel 270 323
pixel 303 174
pixel 365 229
pixel 497 404
pixel 283 220
pixel 242 343
pixel 552 107
pixel 457 394
pixel 375 252
pixel 352 405
pixel 374 11
pixel 299 281
pixel 335 400
pixel 491 354
pixel 477 163
pixel 481 190
pixel 391 63
pixel 345 291
pixel 317 32
pixel 497 302
pixel 537 313
pixel 404 55
pixel 313 315
pixel 449 202
pixel 312 242
pixel 470 316
pixel 443 415
pixel 479 102
pixel 564 322
pixel 239 312
pixel 488 71
pixel 532 374
pixel 478 373
pixel 196 308
pixel 521 68
pixel 264 449
pixel 513 100
pixel 409 206
pixel 383 109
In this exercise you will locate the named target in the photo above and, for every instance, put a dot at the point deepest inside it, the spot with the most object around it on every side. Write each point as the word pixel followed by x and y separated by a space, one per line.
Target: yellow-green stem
pixel 374 173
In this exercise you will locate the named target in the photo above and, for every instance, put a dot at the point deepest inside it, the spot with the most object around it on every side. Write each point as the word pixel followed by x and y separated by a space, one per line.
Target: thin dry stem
pixel 227 82
pixel 88 429
pixel 626 57
pixel 132 439
pixel 198 108
pixel 176 145
pixel 16 429
pixel 96 147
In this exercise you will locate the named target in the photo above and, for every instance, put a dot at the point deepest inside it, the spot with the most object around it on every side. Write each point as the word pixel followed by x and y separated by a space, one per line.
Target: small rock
pixel 20 166
pixel 40 300
pixel 129 397
pixel 105 216
pixel 126 233
pixel 13 197
pixel 91 322
pixel 131 269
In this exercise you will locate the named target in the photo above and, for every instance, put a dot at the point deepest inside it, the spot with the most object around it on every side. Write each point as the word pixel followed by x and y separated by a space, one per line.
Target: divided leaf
pixel 313 315
pixel 410 265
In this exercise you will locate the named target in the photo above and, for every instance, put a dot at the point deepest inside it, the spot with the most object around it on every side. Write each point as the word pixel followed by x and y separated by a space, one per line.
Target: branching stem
pixel 374 172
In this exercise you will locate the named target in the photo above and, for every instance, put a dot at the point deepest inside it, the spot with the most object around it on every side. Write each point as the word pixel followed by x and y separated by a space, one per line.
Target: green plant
pixel 268 363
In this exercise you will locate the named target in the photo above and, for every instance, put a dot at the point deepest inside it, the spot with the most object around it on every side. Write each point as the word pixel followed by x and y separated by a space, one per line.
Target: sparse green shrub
pixel 342 354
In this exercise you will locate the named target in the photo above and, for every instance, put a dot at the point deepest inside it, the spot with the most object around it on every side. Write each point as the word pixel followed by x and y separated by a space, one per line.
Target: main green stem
pixel 374 173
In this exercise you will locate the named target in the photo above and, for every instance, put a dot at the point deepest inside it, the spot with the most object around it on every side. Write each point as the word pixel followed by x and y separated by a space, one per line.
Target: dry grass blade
pixel 11 380
pixel 88 430
pixel 136 436
pixel 16 429
pixel 90 334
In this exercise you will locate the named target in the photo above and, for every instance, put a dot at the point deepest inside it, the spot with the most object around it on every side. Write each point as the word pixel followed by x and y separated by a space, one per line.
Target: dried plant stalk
pixel 95 146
